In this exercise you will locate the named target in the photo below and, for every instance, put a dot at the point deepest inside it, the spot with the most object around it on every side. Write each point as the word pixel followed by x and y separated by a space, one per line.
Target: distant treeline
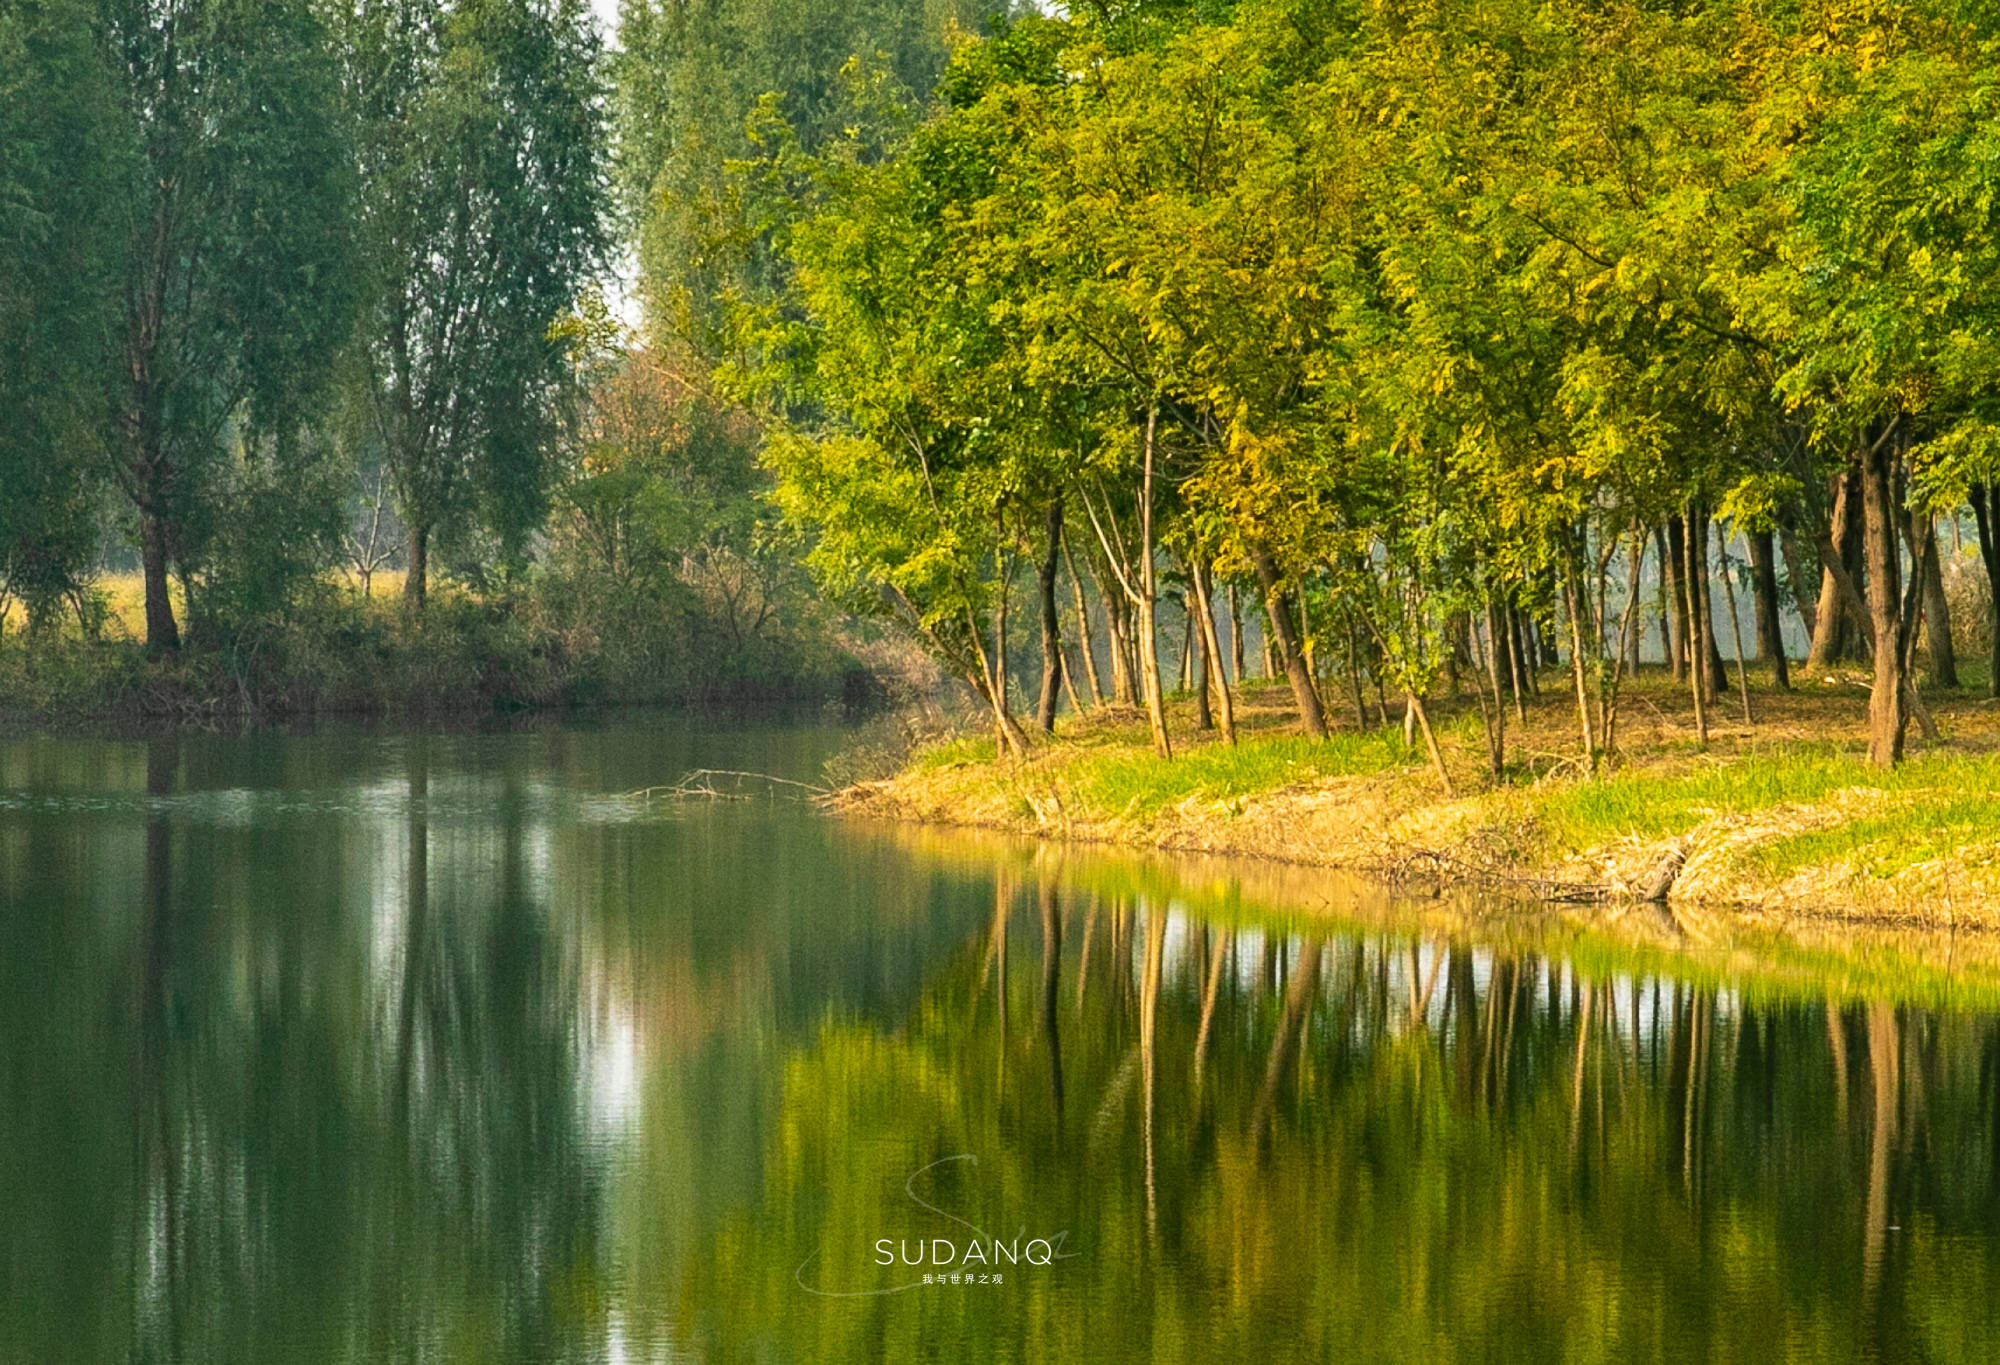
pixel 299 298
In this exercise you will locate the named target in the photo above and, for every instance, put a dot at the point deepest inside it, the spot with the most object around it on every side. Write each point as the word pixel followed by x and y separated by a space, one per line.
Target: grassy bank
pixel 1782 813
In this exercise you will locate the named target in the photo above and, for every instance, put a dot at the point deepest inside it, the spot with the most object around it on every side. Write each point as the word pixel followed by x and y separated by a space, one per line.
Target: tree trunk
pixel 1628 625
pixel 415 581
pixel 163 636
pixel 1085 645
pixel 1670 601
pixel 1149 654
pixel 1052 655
pixel 1937 611
pixel 1713 670
pixel 1235 636
pixel 1833 640
pixel 1570 595
pixel 1770 629
pixel 1986 514
pixel 1690 616
pixel 1888 711
pixel 1735 621
pixel 1496 719
pixel 1287 645
pixel 1214 678
pixel 1796 574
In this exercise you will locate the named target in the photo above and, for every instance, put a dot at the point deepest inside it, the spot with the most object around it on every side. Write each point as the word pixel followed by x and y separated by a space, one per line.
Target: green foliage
pixel 482 154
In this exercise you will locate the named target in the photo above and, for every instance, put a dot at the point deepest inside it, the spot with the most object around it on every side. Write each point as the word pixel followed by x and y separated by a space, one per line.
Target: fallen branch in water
pixel 700 785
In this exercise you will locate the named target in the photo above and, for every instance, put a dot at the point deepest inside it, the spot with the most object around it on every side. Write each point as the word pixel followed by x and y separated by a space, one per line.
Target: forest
pixel 1466 345
pixel 1462 340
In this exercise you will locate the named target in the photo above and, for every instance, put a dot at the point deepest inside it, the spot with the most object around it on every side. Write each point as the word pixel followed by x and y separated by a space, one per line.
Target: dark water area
pixel 353 1047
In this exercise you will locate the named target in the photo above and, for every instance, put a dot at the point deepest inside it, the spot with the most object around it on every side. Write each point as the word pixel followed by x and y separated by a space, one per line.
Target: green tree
pixel 62 150
pixel 482 152
pixel 236 276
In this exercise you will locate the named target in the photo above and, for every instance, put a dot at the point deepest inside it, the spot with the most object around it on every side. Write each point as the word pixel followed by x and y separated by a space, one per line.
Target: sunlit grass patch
pixel 1940 802
pixel 1140 784
pixel 954 753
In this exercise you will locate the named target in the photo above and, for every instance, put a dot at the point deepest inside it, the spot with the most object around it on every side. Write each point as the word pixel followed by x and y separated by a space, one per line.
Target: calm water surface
pixel 355 1048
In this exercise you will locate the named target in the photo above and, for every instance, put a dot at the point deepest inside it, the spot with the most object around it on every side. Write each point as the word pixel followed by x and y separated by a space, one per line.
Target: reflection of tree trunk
pixel 1298 1001
pixel 1836 1038
pixel 1210 991
pixel 1581 1022
pixel 1149 1009
pixel 1083 957
pixel 1885 1064
pixel 158 1159
pixel 416 926
pixel 1420 1002
pixel 1051 972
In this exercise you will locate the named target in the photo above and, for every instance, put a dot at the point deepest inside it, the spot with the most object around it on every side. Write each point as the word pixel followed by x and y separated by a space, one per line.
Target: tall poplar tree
pixel 236 275
pixel 482 157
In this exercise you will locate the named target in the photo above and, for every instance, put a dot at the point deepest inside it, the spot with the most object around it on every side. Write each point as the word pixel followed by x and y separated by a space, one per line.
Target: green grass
pixel 1127 784
pixel 1950 800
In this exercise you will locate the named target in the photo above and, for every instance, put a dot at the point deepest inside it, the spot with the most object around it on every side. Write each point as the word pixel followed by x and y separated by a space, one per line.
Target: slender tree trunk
pixel 1629 622
pixel 1689 616
pixel 1149 654
pixel 1714 672
pixel 1086 646
pixel 1431 744
pixel 1353 671
pixel 1496 716
pixel 1052 655
pixel 1937 611
pixel 1287 645
pixel 1515 666
pixel 163 636
pixel 1770 630
pixel 1235 635
pixel 1796 573
pixel 1570 595
pixel 1184 672
pixel 1888 710
pixel 1986 516
pixel 1203 663
pixel 1212 650
pixel 1735 622
pixel 1836 551
pixel 1673 566
pixel 415 581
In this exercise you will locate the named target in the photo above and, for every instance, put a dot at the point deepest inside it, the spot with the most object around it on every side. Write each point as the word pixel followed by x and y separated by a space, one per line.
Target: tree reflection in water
pixel 435 1049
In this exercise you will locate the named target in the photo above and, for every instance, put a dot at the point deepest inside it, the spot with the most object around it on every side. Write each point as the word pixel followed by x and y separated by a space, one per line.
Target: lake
pixel 355 1047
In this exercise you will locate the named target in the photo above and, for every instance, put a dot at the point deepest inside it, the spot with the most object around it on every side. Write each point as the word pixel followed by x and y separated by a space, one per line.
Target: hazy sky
pixel 607 15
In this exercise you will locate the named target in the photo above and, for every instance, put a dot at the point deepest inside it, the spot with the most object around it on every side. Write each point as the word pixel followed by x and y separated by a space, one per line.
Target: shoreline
pixel 1769 818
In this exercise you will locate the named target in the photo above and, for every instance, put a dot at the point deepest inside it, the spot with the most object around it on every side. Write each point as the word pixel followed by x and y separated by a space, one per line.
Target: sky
pixel 607 16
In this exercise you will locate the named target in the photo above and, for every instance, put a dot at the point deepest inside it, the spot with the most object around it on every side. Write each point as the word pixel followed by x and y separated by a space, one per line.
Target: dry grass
pixel 1781 813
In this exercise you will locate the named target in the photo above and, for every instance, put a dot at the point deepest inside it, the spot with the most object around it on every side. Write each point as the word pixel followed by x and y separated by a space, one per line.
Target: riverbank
pixel 1782 814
